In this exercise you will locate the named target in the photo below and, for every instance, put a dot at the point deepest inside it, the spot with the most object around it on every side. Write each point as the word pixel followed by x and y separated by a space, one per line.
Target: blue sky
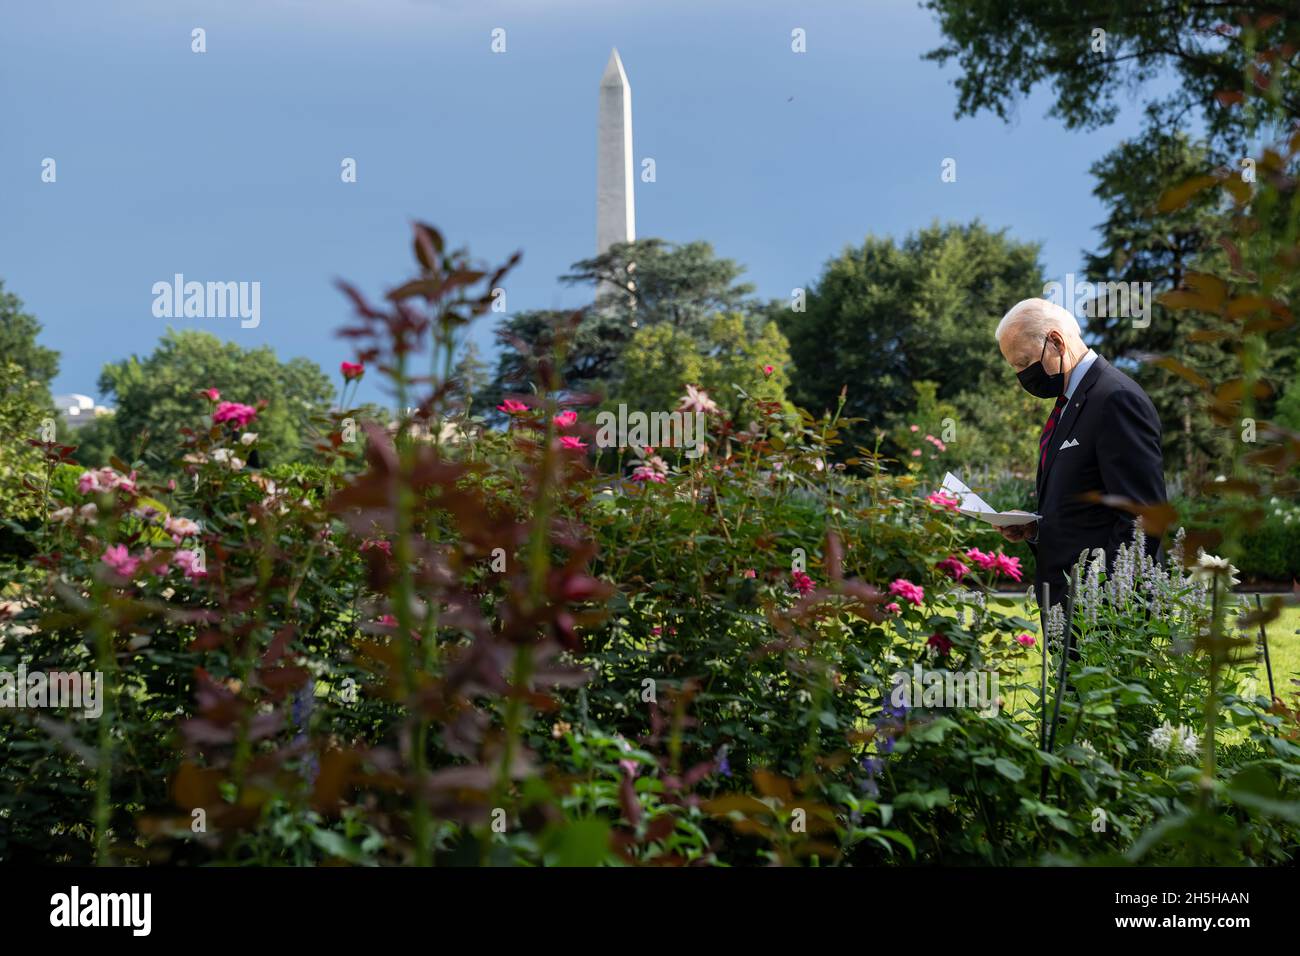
pixel 225 165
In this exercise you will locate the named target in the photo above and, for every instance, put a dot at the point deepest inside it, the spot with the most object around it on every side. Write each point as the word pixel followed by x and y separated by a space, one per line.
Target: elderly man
pixel 1103 435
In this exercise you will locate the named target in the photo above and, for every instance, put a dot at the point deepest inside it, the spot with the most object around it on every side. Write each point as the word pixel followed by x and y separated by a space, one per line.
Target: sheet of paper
pixel 973 506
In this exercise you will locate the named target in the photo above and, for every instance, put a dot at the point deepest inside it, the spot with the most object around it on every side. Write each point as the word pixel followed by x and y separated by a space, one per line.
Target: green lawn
pixel 1283 645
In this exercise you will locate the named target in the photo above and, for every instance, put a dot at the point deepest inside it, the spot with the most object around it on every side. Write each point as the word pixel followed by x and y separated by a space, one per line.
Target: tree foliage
pixel 18 332
pixel 885 315
pixel 727 362
pixel 162 392
pixel 1006 48
pixel 635 285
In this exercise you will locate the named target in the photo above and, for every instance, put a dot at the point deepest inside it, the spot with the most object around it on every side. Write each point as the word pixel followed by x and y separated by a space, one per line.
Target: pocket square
pixel 1072 443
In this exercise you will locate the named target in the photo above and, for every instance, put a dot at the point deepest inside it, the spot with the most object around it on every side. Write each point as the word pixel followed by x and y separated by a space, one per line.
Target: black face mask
pixel 1037 382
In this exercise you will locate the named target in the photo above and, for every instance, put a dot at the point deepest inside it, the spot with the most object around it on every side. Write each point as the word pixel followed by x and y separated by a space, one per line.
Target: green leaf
pixel 1008 769
pixel 581 843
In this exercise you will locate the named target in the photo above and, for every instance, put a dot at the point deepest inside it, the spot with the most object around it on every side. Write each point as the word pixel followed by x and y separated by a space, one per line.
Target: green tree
pixel 25 416
pixel 1230 60
pixel 730 357
pixel 1143 242
pixel 634 285
pixel 886 314
pixel 18 332
pixel 157 395
pixel 1006 48
pixel 470 371
pixel 997 429
pixel 651 281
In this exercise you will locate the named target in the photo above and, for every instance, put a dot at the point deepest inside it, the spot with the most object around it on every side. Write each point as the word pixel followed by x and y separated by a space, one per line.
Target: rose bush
pixel 440 643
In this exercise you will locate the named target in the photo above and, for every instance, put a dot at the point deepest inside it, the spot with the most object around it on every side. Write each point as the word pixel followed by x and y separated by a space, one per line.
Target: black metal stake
pixel 1042 695
pixel 1067 642
pixel 1263 639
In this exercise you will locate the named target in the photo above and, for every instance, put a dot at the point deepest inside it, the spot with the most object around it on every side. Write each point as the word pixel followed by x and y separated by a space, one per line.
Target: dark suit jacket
pixel 1107 440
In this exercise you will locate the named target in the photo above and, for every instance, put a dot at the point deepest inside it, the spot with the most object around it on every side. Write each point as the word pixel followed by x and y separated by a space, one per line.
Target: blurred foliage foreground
pixel 436 643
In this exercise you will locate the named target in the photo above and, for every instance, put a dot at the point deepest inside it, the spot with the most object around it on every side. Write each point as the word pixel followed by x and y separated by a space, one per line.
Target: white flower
pixel 62 515
pixel 248 438
pixel 1162 737
pixel 1204 560
pixel 1209 566
pixel 1180 739
pixel 697 400
pixel 88 512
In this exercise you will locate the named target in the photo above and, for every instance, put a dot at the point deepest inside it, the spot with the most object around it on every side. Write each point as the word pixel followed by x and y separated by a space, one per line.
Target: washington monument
pixel 615 203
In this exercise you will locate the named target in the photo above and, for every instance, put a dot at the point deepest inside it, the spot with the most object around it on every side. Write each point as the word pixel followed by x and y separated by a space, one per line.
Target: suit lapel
pixel 1069 418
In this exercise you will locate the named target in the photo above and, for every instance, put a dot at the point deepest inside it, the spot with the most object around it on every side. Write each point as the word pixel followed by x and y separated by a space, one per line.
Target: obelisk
pixel 615 203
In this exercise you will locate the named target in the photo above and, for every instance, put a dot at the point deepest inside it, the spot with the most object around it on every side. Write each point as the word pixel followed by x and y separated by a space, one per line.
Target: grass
pixel 1283 645
pixel 1284 654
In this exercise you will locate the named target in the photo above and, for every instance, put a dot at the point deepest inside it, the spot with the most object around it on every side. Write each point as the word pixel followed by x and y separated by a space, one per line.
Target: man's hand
pixel 1019 532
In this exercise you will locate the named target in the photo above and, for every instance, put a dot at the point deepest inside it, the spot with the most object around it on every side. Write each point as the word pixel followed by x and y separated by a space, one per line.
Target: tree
pixel 18 331
pixel 25 416
pixel 1007 47
pixel 885 315
pixel 470 376
pixel 662 360
pixel 158 395
pixel 679 284
pixel 635 285
pixel 998 429
pixel 1232 61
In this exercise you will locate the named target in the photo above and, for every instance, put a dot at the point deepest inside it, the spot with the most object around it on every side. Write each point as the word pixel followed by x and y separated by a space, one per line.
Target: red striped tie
pixel 1048 428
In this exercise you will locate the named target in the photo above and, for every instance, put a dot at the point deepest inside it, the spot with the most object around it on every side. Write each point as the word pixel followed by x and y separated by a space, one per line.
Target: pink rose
pixel 942 500
pixel 190 563
pixel 234 412
pixel 954 567
pixel 1007 566
pixel 912 593
pixel 566 419
pixel 120 560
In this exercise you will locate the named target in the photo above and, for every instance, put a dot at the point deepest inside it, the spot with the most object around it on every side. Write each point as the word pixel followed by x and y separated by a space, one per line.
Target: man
pixel 1103 435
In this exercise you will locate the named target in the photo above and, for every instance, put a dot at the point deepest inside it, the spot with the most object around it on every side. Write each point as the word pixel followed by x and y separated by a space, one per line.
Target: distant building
pixel 76 410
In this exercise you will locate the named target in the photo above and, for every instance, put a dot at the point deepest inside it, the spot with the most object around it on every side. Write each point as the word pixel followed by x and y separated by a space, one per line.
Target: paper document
pixel 973 506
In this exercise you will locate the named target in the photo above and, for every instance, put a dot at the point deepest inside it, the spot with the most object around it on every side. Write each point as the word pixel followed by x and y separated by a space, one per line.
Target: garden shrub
pixel 436 643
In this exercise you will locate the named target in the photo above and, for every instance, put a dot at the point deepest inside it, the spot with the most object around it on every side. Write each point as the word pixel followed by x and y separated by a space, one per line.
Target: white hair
pixel 1037 317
